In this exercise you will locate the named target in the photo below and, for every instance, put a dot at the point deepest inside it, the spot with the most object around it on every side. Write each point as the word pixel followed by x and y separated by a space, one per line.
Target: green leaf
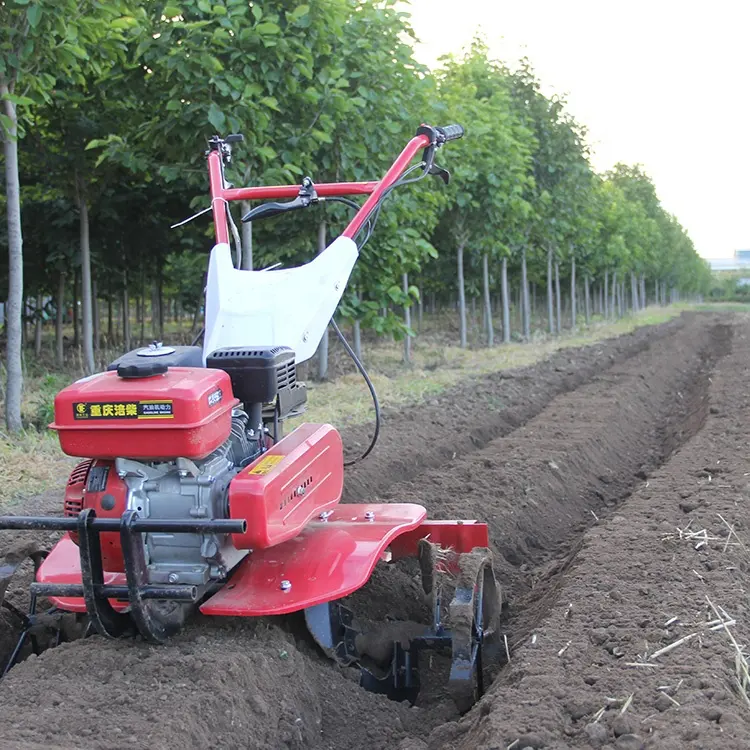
pixel 216 116
pixel 34 15
pixel 268 28
pixel 204 6
pixel 6 123
pixel 257 11
pixel 172 11
pixel 299 12
pixel 270 102
pixel 79 52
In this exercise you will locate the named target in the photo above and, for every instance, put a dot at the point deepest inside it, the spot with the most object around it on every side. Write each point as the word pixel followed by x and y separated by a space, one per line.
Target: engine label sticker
pixel 215 397
pixel 157 409
pixel 265 465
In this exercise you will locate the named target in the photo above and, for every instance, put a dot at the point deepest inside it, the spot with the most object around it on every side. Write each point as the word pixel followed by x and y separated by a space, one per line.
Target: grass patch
pixel 30 463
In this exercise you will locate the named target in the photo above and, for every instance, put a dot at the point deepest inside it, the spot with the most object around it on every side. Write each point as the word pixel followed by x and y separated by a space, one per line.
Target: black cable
pixel 372 219
pixel 370 385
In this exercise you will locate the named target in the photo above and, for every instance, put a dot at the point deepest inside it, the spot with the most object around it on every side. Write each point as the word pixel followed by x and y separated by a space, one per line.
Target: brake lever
pixel 306 196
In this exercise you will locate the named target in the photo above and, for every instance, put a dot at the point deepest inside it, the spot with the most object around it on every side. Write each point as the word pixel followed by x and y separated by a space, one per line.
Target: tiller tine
pixel 9 566
pixel 13 560
pixel 466 604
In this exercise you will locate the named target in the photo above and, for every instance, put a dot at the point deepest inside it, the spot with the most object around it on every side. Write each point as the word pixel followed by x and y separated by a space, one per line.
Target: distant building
pixel 740 261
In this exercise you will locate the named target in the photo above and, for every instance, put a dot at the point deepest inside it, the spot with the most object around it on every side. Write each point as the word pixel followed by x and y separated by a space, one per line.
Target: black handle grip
pixel 451 132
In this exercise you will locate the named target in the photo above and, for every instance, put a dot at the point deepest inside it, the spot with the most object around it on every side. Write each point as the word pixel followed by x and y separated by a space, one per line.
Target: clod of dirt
pixel 596 733
pixel 623 725
pixel 629 742
pixel 530 740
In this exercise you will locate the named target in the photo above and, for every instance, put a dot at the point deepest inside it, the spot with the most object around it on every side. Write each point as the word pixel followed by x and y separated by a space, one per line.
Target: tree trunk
pixel 634 293
pixel 407 319
pixel 504 294
pixel 59 318
pixel 525 303
pixel 14 383
pixel 550 297
pixel 38 326
pixel 614 294
pixel 96 319
pixel 587 295
pixel 420 311
pixel 143 312
pixel 76 318
pixel 461 294
pixel 160 299
pixel 247 239
pixel 110 321
pixel 558 324
pixel 487 301
pixel 573 292
pixel 126 317
pixel 323 346
pixel 606 295
pixel 88 333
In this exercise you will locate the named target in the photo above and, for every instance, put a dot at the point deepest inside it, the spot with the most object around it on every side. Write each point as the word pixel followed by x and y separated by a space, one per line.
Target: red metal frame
pixel 220 194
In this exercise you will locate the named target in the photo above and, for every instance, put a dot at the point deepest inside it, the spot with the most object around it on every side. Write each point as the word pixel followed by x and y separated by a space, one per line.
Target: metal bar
pixel 136 572
pixel 113 591
pixel 141 525
pixel 323 189
pixel 218 200
pixel 402 162
pixel 106 620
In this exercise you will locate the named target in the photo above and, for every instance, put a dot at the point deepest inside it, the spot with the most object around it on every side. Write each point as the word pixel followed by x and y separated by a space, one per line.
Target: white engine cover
pixel 288 307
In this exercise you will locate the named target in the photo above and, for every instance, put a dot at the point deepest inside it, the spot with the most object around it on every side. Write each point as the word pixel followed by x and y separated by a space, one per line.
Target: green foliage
pixel 330 90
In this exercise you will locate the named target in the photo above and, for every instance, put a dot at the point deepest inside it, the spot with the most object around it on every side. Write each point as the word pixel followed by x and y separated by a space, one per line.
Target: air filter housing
pixel 257 373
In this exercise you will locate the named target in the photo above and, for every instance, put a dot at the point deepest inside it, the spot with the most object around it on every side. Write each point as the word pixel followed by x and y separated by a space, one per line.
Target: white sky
pixel 664 83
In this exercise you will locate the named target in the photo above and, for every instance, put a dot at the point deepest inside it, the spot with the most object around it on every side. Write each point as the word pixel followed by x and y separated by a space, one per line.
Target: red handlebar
pixel 220 194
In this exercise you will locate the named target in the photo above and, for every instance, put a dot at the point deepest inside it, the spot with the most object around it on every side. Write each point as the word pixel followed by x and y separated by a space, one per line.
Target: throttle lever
pixel 443 174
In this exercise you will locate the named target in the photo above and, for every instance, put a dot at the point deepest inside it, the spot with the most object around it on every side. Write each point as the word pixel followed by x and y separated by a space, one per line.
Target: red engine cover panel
pixel 186 412
pixel 298 478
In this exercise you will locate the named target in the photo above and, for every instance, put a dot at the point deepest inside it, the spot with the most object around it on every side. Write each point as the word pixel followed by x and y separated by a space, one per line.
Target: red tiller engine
pixel 173 442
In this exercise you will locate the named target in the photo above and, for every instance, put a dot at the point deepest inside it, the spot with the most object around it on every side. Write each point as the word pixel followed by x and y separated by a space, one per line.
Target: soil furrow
pixel 643 583
pixel 542 456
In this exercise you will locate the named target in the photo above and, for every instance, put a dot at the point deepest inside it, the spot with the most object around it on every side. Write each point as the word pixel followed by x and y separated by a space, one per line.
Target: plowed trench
pixel 538 475
pixel 541 487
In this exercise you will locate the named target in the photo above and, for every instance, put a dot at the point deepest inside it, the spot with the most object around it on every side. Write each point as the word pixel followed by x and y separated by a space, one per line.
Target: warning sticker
pixel 159 409
pixel 265 465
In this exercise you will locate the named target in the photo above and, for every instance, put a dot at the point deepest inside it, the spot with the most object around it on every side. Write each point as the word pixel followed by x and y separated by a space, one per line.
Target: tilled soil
pixel 586 467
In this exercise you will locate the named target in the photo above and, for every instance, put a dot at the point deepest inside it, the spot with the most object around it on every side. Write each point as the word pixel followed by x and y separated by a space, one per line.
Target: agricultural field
pixel 613 477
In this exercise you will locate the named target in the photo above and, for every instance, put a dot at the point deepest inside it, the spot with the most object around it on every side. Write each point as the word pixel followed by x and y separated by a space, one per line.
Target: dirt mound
pixel 466 418
pixel 630 651
pixel 542 454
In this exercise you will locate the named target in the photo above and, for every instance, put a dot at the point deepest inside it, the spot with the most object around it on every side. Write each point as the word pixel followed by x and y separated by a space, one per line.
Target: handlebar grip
pixel 451 132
